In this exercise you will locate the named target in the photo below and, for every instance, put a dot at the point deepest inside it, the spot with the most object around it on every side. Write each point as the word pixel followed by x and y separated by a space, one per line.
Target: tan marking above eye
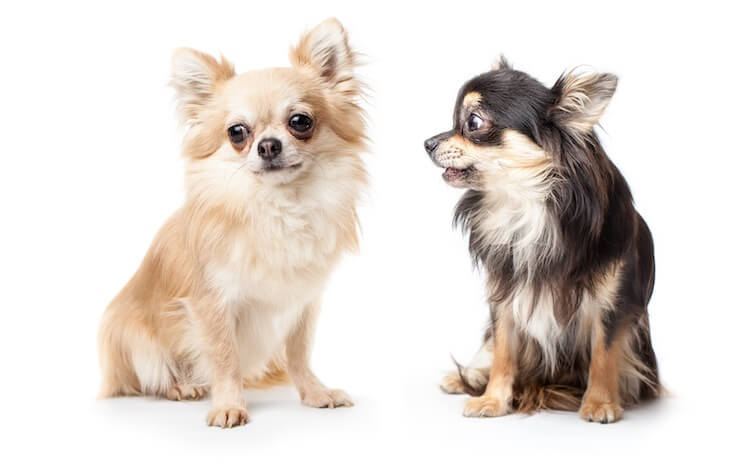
pixel 472 99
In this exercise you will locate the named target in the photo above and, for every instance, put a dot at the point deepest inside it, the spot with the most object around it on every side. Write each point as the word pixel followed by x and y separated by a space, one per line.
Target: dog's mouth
pixel 459 177
pixel 275 168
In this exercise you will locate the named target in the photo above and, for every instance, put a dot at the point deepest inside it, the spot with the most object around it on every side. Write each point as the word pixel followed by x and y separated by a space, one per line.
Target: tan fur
pixel 497 399
pixel 472 99
pixel 472 376
pixel 615 371
pixel 226 296
pixel 546 309
pixel 584 99
pixel 274 375
pixel 601 403
pixel 533 397
pixel 452 384
pixel 518 164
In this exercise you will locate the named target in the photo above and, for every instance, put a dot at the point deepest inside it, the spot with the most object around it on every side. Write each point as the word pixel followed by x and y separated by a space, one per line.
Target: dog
pixel 227 295
pixel 569 261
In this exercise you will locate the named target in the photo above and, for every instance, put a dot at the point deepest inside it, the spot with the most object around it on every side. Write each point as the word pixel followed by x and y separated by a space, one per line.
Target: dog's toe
pixel 187 392
pixel 600 412
pixel 486 406
pixel 327 398
pixel 227 417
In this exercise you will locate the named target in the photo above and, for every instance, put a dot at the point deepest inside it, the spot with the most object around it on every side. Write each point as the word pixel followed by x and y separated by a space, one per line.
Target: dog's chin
pixel 460 177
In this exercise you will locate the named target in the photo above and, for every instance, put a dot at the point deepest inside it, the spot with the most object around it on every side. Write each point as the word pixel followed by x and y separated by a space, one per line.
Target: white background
pixel 90 169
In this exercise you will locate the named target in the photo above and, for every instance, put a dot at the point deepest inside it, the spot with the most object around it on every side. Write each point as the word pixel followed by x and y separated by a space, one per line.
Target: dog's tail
pixel 274 375
pixel 528 396
pixel 535 397
pixel 527 399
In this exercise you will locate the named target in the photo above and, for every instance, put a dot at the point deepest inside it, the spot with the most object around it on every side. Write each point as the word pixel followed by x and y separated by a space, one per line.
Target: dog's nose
pixel 430 144
pixel 270 148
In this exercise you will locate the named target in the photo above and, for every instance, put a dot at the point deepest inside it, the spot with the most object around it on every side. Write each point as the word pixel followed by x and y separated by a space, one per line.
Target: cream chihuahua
pixel 227 295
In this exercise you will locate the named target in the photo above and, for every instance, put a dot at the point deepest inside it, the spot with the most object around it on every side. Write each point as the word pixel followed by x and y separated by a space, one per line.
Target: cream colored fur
pixel 231 285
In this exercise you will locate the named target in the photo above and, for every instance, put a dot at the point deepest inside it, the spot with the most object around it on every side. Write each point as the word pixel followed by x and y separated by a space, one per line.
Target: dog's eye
pixel 238 135
pixel 475 122
pixel 301 125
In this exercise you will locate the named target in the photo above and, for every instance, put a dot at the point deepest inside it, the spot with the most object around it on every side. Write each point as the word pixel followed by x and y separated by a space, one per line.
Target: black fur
pixel 592 211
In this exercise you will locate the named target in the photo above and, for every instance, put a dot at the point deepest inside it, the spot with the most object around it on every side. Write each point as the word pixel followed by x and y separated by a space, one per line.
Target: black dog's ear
pixel 581 100
pixel 501 63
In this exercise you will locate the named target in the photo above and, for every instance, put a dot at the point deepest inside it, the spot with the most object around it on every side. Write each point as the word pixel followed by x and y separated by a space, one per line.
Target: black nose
pixel 270 148
pixel 430 144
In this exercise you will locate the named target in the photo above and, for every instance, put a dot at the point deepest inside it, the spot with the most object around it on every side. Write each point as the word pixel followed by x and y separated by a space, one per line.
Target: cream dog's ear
pixel 326 50
pixel 195 76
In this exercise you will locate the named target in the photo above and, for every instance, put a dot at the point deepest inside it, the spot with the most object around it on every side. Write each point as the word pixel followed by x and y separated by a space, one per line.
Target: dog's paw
pixel 227 417
pixel 187 392
pixel 486 406
pixel 474 380
pixel 600 412
pixel 451 384
pixel 327 398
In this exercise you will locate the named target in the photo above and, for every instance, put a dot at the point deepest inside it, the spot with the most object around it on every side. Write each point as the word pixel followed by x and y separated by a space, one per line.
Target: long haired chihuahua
pixel 227 295
pixel 569 261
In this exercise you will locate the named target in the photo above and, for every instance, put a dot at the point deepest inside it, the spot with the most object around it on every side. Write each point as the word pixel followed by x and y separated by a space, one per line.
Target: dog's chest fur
pixel 273 266
pixel 280 255
pixel 518 244
pixel 515 239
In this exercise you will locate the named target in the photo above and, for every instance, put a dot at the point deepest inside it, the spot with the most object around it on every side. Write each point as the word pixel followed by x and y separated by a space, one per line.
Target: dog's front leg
pixel 216 327
pixel 601 402
pixel 298 348
pixel 497 399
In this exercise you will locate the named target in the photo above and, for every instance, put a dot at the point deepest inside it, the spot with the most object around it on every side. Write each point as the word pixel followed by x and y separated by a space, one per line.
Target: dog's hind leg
pixel 118 376
pixel 472 378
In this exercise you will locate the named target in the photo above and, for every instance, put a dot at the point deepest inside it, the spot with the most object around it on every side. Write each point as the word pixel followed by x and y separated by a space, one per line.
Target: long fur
pixel 229 290
pixel 551 220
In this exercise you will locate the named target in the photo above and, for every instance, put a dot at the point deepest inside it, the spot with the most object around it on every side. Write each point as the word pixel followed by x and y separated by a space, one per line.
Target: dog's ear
pixel 195 76
pixel 581 100
pixel 501 63
pixel 326 50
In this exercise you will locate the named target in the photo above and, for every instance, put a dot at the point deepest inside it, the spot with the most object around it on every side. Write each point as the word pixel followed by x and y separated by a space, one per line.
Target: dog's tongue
pixel 451 173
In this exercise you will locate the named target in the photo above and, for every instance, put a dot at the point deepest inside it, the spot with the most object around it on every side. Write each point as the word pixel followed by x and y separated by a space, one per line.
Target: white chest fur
pixel 536 319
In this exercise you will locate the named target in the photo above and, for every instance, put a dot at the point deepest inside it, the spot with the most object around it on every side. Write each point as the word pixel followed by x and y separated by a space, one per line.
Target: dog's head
pixel 506 125
pixel 273 125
